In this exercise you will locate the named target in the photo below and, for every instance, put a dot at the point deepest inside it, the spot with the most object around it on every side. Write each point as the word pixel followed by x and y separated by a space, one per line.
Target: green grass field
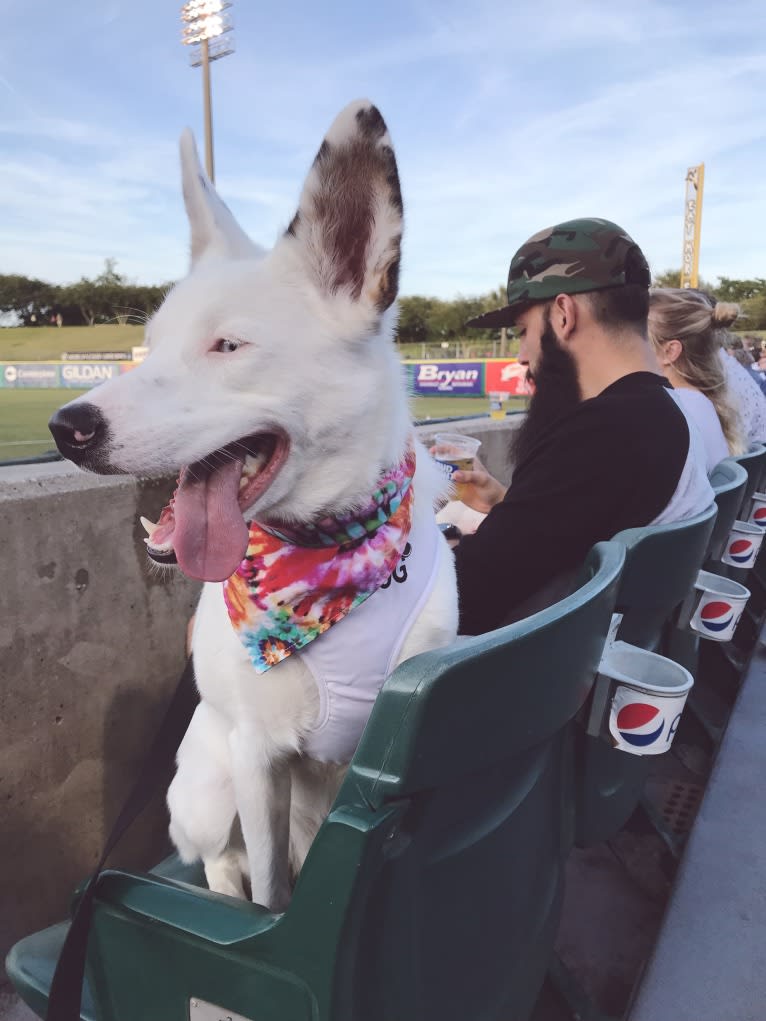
pixel 453 407
pixel 24 415
pixel 46 343
pixel 43 343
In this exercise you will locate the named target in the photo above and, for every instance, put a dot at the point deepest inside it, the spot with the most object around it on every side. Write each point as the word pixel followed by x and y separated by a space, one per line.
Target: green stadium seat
pixel 661 565
pixel 754 463
pixel 432 891
pixel 716 667
pixel 729 480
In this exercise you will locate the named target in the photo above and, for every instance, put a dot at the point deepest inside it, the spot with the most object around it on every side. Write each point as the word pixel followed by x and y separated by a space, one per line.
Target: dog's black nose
pixel 78 430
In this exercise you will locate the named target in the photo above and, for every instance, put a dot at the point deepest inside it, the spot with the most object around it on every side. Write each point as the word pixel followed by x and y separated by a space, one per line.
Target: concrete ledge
pixel 709 963
pixel 91 644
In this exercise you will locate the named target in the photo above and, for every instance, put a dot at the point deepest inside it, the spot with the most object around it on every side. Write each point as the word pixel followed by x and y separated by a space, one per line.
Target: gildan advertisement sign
pixel 72 375
pixel 80 375
pixel 455 378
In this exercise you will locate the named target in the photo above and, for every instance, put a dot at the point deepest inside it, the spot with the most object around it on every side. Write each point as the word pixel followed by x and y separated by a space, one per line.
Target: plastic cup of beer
pixel 455 452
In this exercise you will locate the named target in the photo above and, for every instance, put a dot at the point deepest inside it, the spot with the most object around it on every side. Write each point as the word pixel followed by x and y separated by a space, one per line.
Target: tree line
pixel 111 297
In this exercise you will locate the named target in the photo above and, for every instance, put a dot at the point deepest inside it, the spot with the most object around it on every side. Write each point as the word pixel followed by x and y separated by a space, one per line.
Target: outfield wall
pixel 475 378
pixel 91 645
pixel 62 374
pixel 425 378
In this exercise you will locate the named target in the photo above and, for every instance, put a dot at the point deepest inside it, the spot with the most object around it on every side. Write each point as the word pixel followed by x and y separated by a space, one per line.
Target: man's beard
pixel 557 392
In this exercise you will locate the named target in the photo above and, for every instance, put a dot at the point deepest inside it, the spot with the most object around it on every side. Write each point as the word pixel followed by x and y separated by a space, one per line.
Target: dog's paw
pixel 224 875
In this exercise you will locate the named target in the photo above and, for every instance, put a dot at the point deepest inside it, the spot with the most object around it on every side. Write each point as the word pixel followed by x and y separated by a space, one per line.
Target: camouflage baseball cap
pixel 573 257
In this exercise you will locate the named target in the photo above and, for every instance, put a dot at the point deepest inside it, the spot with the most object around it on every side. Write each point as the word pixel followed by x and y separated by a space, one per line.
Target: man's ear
pixel 564 315
pixel 348 227
pixel 214 231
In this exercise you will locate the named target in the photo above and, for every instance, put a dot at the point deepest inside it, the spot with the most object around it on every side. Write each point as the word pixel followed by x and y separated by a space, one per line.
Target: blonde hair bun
pixel 725 314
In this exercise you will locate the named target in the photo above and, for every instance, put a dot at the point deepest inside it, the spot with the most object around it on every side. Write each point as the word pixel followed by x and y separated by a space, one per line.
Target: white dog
pixel 273 388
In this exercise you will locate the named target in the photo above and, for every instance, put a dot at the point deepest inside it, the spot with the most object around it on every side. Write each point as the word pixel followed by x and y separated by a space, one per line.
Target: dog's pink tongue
pixel 210 537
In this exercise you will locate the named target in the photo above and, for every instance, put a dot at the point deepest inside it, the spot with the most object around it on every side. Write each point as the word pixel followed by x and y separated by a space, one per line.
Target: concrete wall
pixel 91 645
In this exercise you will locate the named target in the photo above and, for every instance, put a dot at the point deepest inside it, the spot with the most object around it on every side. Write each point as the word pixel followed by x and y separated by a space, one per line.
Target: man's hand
pixel 479 490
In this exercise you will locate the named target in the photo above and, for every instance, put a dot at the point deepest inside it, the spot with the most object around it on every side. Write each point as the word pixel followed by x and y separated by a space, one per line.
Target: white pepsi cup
pixel 758 510
pixel 719 603
pixel 648 695
pixel 743 545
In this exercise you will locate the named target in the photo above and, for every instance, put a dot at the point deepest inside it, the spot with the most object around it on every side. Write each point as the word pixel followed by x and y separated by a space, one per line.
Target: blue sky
pixel 506 117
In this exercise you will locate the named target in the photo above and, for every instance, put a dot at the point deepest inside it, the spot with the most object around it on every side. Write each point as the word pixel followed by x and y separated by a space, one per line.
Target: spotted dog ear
pixel 214 231
pixel 349 219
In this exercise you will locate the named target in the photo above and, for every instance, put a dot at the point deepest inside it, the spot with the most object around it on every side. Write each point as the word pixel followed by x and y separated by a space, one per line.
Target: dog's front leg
pixel 262 786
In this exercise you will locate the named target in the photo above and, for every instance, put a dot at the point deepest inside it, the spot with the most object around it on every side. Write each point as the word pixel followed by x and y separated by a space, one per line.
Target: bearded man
pixel 604 446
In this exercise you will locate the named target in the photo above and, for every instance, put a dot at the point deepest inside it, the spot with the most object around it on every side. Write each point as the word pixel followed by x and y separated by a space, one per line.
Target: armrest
pixel 190 909
pixel 341 858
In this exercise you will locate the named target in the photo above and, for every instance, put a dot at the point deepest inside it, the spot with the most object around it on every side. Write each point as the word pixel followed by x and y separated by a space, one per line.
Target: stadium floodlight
pixel 207 29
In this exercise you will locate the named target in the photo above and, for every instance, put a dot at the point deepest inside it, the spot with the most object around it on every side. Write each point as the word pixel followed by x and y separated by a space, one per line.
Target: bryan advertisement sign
pixel 455 378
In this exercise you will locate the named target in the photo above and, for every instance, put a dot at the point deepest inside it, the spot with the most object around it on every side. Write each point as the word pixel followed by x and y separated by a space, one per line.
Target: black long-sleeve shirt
pixel 614 462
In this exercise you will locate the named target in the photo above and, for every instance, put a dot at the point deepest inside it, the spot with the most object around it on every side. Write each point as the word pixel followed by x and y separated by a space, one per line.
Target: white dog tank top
pixel 351 661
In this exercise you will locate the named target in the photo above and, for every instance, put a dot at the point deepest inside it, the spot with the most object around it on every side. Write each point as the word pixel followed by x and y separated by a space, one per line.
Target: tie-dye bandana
pixel 295 584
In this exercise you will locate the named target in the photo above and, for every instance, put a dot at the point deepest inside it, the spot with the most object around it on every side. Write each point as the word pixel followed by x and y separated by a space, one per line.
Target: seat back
pixel 661 565
pixel 754 463
pixel 729 480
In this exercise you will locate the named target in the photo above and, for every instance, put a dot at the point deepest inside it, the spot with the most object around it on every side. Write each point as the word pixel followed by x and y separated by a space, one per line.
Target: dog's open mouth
pixel 203 529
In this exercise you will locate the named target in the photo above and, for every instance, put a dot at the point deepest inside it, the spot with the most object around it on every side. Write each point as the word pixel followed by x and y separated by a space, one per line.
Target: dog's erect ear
pixel 214 231
pixel 349 220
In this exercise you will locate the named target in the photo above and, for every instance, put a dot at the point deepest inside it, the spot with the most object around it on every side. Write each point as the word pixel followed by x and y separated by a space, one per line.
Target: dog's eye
pixel 226 346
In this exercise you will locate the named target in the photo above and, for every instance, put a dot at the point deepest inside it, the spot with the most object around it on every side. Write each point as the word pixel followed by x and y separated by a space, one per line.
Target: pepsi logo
pixel 759 516
pixel 717 615
pixel 741 550
pixel 637 723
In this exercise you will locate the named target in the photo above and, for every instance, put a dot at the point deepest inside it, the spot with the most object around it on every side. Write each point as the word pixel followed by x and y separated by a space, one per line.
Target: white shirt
pixel 693 494
pixel 747 397
pixel 700 411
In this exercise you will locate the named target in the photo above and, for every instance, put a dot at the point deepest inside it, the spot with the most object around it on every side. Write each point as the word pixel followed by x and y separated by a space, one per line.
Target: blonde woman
pixel 685 328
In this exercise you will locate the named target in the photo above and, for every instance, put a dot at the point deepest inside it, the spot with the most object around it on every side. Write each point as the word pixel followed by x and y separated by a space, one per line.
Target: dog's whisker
pixel 141 314
pixel 132 313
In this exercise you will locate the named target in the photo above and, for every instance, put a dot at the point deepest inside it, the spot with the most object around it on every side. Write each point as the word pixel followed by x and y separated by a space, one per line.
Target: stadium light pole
pixel 207 30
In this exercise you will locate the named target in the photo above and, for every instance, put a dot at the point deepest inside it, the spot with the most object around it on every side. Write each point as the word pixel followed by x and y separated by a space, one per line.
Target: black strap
pixel 65 997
